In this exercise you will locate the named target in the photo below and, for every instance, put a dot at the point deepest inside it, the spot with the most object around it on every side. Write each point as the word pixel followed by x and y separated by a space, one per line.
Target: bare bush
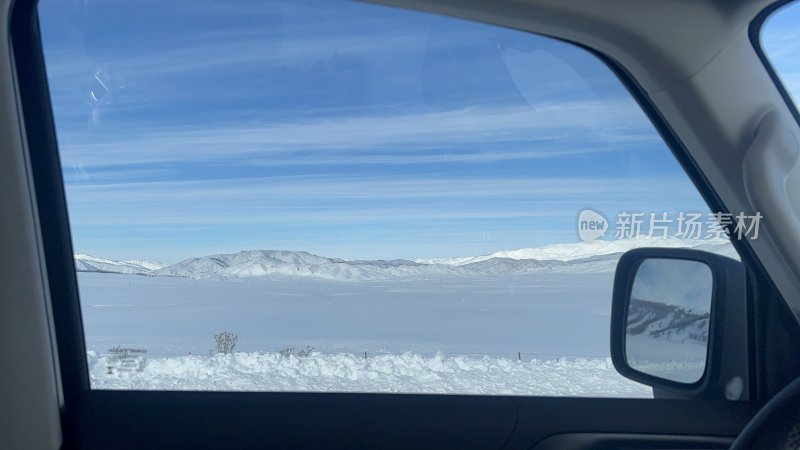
pixel 226 342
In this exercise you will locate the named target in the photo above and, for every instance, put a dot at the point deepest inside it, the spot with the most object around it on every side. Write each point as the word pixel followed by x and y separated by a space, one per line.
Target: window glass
pixel 780 38
pixel 338 196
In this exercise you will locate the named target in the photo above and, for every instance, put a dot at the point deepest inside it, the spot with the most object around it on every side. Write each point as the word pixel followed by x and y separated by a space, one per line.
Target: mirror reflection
pixel 668 319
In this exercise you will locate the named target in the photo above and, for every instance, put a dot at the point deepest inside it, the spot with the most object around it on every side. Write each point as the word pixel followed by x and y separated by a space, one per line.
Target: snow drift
pixel 388 373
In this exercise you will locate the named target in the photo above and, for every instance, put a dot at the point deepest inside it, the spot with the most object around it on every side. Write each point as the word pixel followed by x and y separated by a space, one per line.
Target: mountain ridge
pixel 579 250
pixel 584 257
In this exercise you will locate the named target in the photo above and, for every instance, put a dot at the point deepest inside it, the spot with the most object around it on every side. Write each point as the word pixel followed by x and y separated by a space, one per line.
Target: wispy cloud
pixel 333 200
pixel 347 139
pixel 354 217
pixel 304 126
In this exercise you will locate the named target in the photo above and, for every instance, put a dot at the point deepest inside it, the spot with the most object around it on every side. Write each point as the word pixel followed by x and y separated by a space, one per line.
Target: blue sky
pixel 780 38
pixel 345 129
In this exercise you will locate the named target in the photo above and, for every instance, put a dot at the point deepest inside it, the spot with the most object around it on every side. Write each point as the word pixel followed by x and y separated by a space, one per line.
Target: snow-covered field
pixel 407 372
pixel 494 325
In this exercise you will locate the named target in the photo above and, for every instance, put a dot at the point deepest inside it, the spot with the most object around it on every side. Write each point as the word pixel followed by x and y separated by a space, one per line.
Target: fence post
pixel 365 355
pixel 519 355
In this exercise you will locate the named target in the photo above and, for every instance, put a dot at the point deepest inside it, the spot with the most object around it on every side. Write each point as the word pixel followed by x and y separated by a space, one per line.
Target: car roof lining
pixel 676 38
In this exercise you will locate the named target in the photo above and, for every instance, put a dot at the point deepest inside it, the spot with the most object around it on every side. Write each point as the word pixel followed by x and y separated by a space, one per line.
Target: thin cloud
pixel 277 143
pixel 304 199
pixel 179 157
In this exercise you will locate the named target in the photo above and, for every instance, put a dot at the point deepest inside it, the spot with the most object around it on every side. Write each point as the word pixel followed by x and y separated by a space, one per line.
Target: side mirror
pixel 675 312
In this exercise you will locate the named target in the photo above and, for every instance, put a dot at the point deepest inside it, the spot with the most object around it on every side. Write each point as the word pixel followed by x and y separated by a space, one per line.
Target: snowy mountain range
pixel 572 252
pixel 595 256
pixel 87 263
pixel 667 322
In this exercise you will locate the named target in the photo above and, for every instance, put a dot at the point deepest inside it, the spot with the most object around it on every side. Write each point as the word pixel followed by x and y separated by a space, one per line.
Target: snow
pixel 426 327
pixel 668 322
pixel 595 256
pixel 575 251
pixel 684 362
pixel 342 372
pixel 88 263
pixel 256 263
pixel 259 263
pixel 149 265
pixel 445 335
pixel 667 340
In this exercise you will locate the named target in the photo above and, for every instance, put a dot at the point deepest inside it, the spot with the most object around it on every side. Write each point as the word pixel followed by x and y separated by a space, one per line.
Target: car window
pixel 780 39
pixel 342 197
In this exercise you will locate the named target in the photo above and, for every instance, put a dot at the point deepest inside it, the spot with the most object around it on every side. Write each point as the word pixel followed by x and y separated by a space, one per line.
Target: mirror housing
pixel 723 378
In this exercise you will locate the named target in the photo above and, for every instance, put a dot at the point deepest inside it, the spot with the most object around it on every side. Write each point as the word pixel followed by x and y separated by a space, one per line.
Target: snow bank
pixel 342 372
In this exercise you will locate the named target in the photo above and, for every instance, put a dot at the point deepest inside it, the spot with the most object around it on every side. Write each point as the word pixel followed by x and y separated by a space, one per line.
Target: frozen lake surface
pixel 538 314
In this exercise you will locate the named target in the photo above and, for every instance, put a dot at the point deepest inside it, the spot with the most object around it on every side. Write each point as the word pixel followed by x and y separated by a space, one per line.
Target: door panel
pixel 207 420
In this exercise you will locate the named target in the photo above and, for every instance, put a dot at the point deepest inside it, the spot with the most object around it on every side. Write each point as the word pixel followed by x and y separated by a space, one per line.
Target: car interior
pixel 699 73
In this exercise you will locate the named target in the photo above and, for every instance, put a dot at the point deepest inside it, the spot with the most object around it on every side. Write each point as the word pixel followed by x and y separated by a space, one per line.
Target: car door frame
pixel 137 419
